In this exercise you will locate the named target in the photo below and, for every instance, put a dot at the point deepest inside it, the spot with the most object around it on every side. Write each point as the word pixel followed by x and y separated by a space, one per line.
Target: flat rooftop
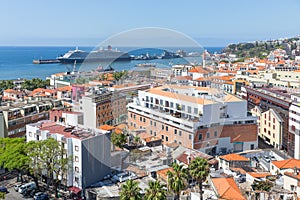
pixel 210 95
pixel 67 132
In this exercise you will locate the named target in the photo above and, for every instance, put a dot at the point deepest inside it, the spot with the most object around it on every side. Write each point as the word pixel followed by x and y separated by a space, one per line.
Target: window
pixel 76 148
pixel 76 179
pixel 167 139
pixel 151 132
pixel 151 123
pixel 141 119
pixel 76 159
pixel 154 123
pixel 190 137
pixel 200 137
pixel 144 120
pixel 183 107
pixel 162 137
pixel 162 127
pixel 207 135
pixel 179 133
pixel 189 109
pixel 216 133
pixel 154 133
pixel 76 169
pixel 252 146
pixel 196 111
pixel 30 134
pixel 167 128
pixel 175 131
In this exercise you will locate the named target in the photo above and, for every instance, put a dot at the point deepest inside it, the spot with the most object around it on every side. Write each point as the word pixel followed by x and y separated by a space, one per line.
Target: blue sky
pixel 211 23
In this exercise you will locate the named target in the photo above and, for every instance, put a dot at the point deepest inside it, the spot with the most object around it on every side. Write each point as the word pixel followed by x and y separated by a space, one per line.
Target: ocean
pixel 16 62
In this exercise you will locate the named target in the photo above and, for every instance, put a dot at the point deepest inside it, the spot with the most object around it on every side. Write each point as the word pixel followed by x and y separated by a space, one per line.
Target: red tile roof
pixel 234 157
pixel 259 175
pixel 106 127
pixel 287 164
pixel 227 189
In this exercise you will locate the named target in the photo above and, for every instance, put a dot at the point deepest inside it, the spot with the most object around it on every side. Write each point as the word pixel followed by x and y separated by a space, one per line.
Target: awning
pixel 74 190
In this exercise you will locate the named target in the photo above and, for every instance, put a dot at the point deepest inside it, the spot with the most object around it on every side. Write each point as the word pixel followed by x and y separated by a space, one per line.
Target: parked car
pixel 27 192
pixel 266 158
pixel 17 186
pixel 3 189
pixel 40 196
pixel 27 186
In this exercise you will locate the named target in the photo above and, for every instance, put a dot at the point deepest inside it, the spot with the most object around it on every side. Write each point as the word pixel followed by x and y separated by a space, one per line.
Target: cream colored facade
pixel 270 126
pixel 284 79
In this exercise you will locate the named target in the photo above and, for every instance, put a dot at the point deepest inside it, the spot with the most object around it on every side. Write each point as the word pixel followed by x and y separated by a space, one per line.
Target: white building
pixel 90 150
pixel 294 123
pixel 291 182
pixel 194 117
pixel 282 166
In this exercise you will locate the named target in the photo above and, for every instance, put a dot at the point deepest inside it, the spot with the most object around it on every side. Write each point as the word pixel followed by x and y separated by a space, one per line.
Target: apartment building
pixel 279 100
pixel 15 116
pixel 270 126
pixel 294 124
pixel 194 117
pixel 100 106
pixel 89 148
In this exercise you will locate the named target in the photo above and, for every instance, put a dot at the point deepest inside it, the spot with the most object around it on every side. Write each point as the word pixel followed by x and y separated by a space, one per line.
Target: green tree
pixel 130 191
pixel 35 83
pixel 6 84
pixel 262 185
pixel 48 157
pixel 2 195
pixel 13 154
pixel 156 191
pixel 177 179
pixel 34 150
pixel 199 170
pixel 118 139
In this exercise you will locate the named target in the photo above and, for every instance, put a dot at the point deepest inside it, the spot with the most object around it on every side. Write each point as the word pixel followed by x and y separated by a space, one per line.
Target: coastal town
pixel 226 128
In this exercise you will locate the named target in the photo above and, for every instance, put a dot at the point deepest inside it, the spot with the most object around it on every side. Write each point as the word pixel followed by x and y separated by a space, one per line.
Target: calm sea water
pixel 16 62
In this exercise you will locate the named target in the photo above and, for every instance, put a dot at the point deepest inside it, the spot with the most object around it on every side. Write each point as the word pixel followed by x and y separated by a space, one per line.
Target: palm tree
pixel 156 191
pixel 130 191
pixel 199 170
pixel 177 179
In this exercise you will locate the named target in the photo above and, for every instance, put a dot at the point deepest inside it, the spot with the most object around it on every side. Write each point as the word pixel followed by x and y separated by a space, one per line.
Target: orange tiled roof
pixel 107 127
pixel 198 70
pixel 291 174
pixel 259 175
pixel 151 139
pixel 159 91
pixel 242 171
pixel 287 164
pixel 163 173
pixel 227 189
pixel 234 157
pixel 65 88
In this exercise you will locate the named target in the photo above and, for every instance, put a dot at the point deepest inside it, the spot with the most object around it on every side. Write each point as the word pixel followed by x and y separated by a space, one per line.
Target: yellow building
pixel 270 126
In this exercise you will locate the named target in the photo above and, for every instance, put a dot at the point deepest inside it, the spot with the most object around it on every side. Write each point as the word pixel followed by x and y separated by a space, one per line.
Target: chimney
pixel 295 171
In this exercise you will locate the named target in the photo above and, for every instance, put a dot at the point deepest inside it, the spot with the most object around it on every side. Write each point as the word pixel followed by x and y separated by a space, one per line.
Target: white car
pixel 17 186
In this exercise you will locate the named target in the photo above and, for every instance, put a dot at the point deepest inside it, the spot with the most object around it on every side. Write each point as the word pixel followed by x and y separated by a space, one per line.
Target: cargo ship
pixel 94 56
